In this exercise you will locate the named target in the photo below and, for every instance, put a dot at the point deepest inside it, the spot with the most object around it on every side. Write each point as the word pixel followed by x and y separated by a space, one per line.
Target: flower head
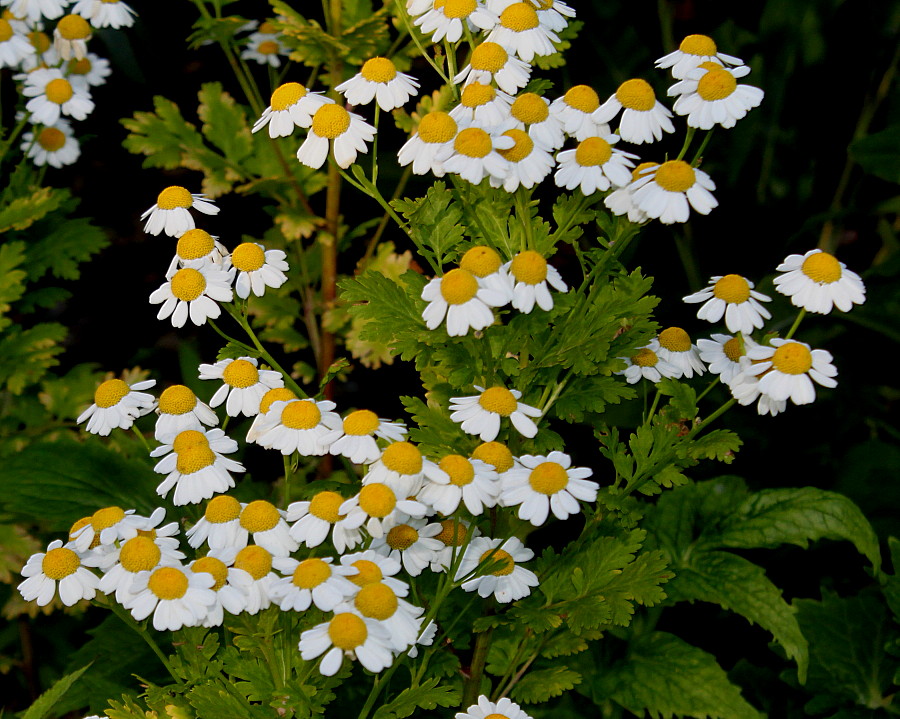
pixel 291 105
pixel 257 269
pixel 539 485
pixel 691 53
pixel 52 95
pixel 818 281
pixel 531 274
pixel 195 464
pixel 664 191
pixel 430 145
pixel 484 709
pixel 520 30
pixel 175 596
pixel 495 565
pixel 117 405
pixel 347 131
pixel 458 297
pixel 193 293
pixel 787 370
pixel 59 569
pixel 594 165
pixel 734 297
pixel 379 80
pixel 243 384
pixel 644 119
pixel 710 96
pixel 481 414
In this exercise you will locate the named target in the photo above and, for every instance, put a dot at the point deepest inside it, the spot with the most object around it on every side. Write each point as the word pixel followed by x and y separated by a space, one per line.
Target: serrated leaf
pixel 684 398
pixel 22 212
pixel 224 122
pixel 720 444
pixel 435 222
pixel 213 700
pixel 162 136
pixel 12 286
pixel 61 251
pixel 26 355
pixel 308 41
pixel 427 695
pixel 46 701
pixel 591 395
pixel 543 684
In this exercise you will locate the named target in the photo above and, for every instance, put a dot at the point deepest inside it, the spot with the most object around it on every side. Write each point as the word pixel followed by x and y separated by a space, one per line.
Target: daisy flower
pixel 230 585
pixel 348 132
pixel 174 595
pixel 193 293
pixel 243 384
pixel 647 363
pixel 723 353
pixel 575 110
pixel 377 505
pixel 14 47
pixel 621 202
pixel 44 55
pixel 378 79
pixel 481 104
pixel 220 525
pixel 744 388
pixel 180 410
pixel 71 36
pixel 138 554
pixel 403 468
pixel 529 162
pixel 788 369
pixel 412 542
pixel 257 268
pixel 496 455
pixel 710 96
pixel 553 13
pixel 276 394
pixel 117 405
pixel 360 430
pixel 594 165
pixel 532 112
pixel 645 119
pixel 508 581
pixel 55 146
pixel 108 525
pixel 531 274
pixel 818 281
pixel 430 145
pixel 265 46
pixel 58 569
pixel 291 105
pixel 52 95
pixel 539 485
pixel 170 213
pixel 300 425
pixel 90 71
pixel 734 297
pixel 665 190
pixel 445 19
pixel 470 481
pixel 346 633
pixel 195 465
pixel 487 267
pixel 675 348
pixel 475 155
pixel 265 522
pixel 519 30
pixel 372 567
pixel 484 708
pixel 197 248
pixel 458 296
pixel 691 53
pixel 313 581
pixel 257 562
pixel 379 602
pixel 35 11
pixel 480 415
pixel 312 521
pixel 491 62
pixel 105 13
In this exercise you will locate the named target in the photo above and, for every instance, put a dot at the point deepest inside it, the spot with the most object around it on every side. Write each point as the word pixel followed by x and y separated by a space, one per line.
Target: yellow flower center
pixel 6 30
pixel 110 393
pixel 675 339
pixel 732 288
pixel 168 583
pixel 523 147
pixel 194 244
pixel 188 284
pixel 376 601
pixel 481 261
pixel 369 573
pixel 194 459
pixel 529 267
pixel 80 524
pixel 287 95
pixel 698 45
pixel 496 454
pixel 377 500
pixel 716 85
pixel 402 537
pixel 638 171
pixel 473 142
pixel 259 516
pixel 593 152
pixel 311 573
pixel 582 97
pixel 188 439
pixel 106 517
pixel 519 17
pixel 732 349
pixel 548 478
pixel 402 458
pixel 325 506
pixel 51 139
pixel 636 94
pixel 241 373
pixel 40 41
pixel 360 423
pixel 675 176
pixel 459 286
pixel 267 28
pixel 644 357
pixel 792 358
pixel 177 399
pixel 495 715
pixel 507 564
pixel 459 468
pixel 452 534
pixel 330 121
pixel 276 394
pixel 268 47
pixel 215 567
pixel 822 267
pixel 255 560
pixel 476 94
pixel 139 554
pixel 458 8
pixel 530 108
pixel 437 127
pixel 60 563
pixel 544 4
pixel 248 257
pixel 489 56
pixel 59 91
pixel 347 631
pixel 301 414
pixel 222 509
pixel 74 27
pixel 498 400
pixel 173 197
pixel 379 69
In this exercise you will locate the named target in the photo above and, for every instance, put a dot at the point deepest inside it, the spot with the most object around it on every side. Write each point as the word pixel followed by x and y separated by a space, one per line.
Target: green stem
pixel 800 315
pixel 13 136
pixel 522 200
pixel 286 497
pixel 689 135
pixel 699 153
pixel 404 16
pixel 653 406
pixel 451 58
pixel 231 340
pixel 472 687
pixel 126 617
pixel 708 388
pixel 140 436
pixel 375 146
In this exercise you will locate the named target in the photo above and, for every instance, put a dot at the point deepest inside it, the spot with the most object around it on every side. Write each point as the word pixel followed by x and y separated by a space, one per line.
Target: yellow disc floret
pixel 240 373
pixel 376 601
pixel 402 458
pixel 530 108
pixel 675 339
pixel 481 261
pixel 6 30
pixel 675 176
pixel 301 414
pixel 476 94
pixel 311 573
pixel 79 67
pixel 168 583
pixel 59 563
pixel 267 28
pixel 638 171
pixel 379 69
pixel 519 17
pixel 636 94
pixel 286 95
pixel 222 509
pixel 496 454
pixel 495 556
pixel 174 197
pixel 195 244
pixel 716 85
pixel 822 268
pixel 369 572
pixel 593 152
pixel 255 560
pixel 377 500
pixel 698 45
pixel 177 399
pixel 792 358
pixel 458 286
pixel 215 567
pixel 733 350
pixel 437 127
pixel 458 8
pixel 733 289
pixel 81 524
pixel 347 631
pixel 59 91
pixel 645 357
pixel 582 97
pixel 259 516
pixel 401 537
pixel 330 121
pixel 459 468
pixel 139 554
pixel 362 422
pixel 452 533
pixel 325 506
pixel 267 47
pixel 110 393
pixel 74 27
pixel 473 142
pixel 188 284
pixel 106 517
pixel 529 267
pixel 40 41
pixel 548 478
pixel 523 147
pixel 489 57
pixel 276 394
pixel 248 257
pixel 498 400
pixel 51 139
pixel 193 459
pixel 187 439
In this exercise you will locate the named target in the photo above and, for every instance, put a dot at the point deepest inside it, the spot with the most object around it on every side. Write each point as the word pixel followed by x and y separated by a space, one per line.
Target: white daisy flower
pixel 300 425
pixel 531 274
pixel 243 384
pixel 723 353
pixel 481 104
pixel 645 118
pixel 312 521
pixel 90 71
pixel 532 112
pixel 174 595
pixel 378 601
pixel 412 542
pixel 480 415
pixel 788 369
pixel 818 281
pixel 348 132
pixel 292 105
pixel 594 166
pixel 193 293
pixel 647 363
pixel 197 248
pixel 470 481
pixel 503 708
pixel 107 525
pixel 14 47
pixel 529 162
pixel 403 468
pixel 744 388
pixel 372 567
pixel 180 410
pixel 376 505
pixel 458 296
pixel 117 405
pixel 445 19
pixel 496 455
pixel 220 525
pixel 55 146
pixel 495 563
pixel 734 297
pixel 257 562
pixel 553 14
pixel 430 145
pixel 475 155
pixel 58 569
pixel 621 202
pixel 276 394
pixel 196 466
pixel 257 268
pixel 313 581
pixel 575 110
pixel 71 36
pixel 487 267
pixel 379 80
pixel 44 55
pixel 138 554
pixel 540 485
pixel 346 633
pixel 360 430
pixel 710 96
pixel 665 190
pixel 231 585
pixel 52 96
pixel 519 30
pixel 265 46
pixel 265 522
pixel 170 213
pixel 675 348
pixel 491 62
pixel 35 11
pixel 105 13
pixel 694 50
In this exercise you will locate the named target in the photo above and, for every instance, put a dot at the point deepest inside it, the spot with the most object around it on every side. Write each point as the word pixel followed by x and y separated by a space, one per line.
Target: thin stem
pixel 140 436
pixel 451 57
pixel 708 388
pixel 286 497
pixel 375 146
pixel 126 617
pixel 385 218
pixel 404 16
pixel 653 406
pixel 699 153
pixel 800 315
pixel 472 687
pixel 231 340
pixel 522 199
pixel 689 135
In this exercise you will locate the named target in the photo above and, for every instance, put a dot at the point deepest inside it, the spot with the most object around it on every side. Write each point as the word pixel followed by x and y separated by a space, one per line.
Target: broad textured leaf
pixel 12 286
pixel 214 700
pixel 224 122
pixel 46 701
pixel 427 695
pixel 26 355
pixel 62 250
pixel 879 154
pixel 590 395
pixel 22 212
pixel 435 222
pixel 163 136
pixel 543 684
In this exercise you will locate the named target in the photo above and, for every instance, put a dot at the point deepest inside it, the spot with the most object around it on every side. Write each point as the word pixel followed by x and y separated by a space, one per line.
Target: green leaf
pixel 213 700
pixel 434 221
pixel 12 286
pixel 163 135
pixel 543 684
pixel 684 398
pixel 427 695
pixel 61 251
pixel 590 395
pixel 22 212
pixel 46 701
pixel 224 122
pixel 720 444
pixel 26 355
pixel 309 43
pixel 569 33
pixel 879 154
